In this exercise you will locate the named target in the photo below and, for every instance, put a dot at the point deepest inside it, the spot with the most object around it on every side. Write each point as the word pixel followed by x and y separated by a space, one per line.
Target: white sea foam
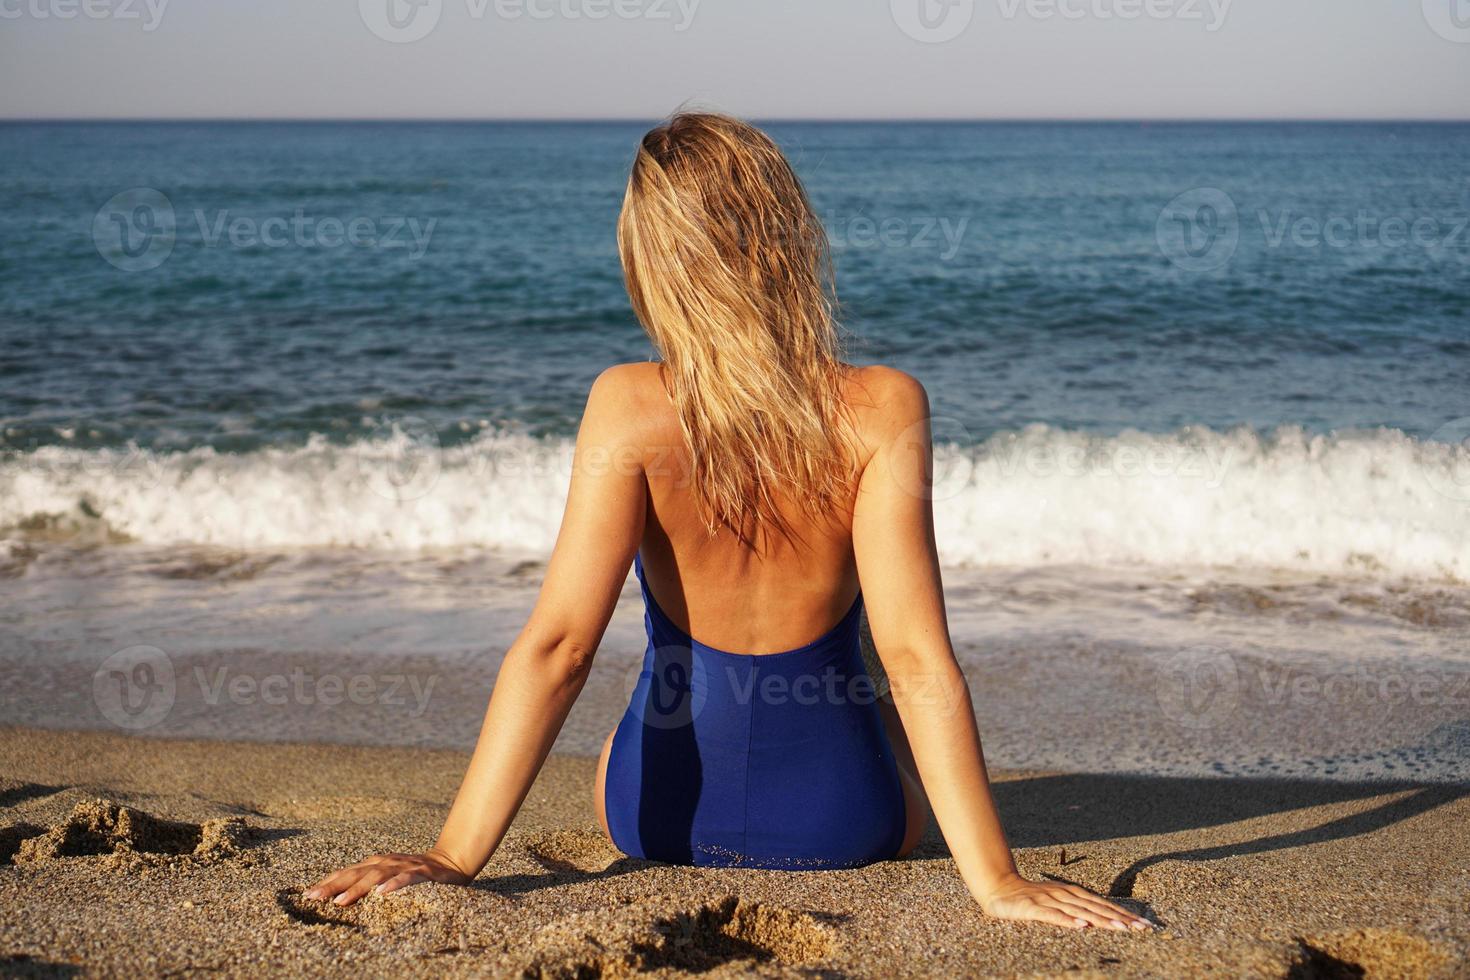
pixel 1371 502
pixel 1375 503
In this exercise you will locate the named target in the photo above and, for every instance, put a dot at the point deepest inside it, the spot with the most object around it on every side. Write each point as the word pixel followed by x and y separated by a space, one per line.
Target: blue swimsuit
pixel 758 761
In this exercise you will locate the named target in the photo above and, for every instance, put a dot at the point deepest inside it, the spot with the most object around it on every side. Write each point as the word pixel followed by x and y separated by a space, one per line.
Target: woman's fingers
pixel 401 880
pixel 1099 907
pixel 1130 919
pixel 336 882
pixel 1077 891
pixel 369 878
pixel 339 881
pixel 1055 916
pixel 1079 911
pixel 1039 907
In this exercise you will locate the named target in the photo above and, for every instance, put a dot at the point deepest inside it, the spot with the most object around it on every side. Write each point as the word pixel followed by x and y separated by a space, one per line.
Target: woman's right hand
pixel 1069 906
pixel 383 873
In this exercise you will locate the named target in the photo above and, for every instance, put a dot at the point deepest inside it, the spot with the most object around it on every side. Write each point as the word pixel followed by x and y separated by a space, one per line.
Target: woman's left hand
pixel 1069 906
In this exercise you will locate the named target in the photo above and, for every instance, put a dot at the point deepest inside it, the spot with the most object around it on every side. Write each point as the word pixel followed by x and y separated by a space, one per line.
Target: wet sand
pixel 122 854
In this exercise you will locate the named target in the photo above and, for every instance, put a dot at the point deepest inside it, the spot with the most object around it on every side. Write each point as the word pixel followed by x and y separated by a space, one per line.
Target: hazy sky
pixel 760 58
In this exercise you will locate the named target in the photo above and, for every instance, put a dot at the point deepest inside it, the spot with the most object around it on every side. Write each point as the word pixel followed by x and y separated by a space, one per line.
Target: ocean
pixel 308 388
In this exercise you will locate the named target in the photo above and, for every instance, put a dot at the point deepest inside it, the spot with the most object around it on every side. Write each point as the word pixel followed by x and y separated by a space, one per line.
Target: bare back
pixel 781 593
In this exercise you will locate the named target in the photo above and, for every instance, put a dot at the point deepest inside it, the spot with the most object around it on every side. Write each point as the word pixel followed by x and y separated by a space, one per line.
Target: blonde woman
pixel 766 493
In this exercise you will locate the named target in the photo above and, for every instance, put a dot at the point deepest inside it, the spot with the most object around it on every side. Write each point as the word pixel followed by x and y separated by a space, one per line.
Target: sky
pixel 766 59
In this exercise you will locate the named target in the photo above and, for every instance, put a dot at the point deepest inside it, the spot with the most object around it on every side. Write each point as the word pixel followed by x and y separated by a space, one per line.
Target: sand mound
pixel 728 935
pixel 102 828
pixel 564 851
pixel 12 837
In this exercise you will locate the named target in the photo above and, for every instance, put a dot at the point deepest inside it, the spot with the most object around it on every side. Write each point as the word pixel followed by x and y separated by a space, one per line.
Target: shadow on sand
pixel 1061 810
pixel 1048 811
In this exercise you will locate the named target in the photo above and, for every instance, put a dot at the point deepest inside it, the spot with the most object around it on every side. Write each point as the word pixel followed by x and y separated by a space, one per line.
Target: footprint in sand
pixel 372 916
pixel 131 837
pixel 1367 953
pixel 728 932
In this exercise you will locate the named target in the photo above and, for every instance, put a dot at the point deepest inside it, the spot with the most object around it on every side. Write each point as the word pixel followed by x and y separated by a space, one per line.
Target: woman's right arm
pixel 898 565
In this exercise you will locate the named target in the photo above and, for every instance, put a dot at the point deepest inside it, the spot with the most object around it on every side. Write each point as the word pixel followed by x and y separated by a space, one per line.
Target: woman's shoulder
pixel 882 397
pixel 632 397
pixel 630 379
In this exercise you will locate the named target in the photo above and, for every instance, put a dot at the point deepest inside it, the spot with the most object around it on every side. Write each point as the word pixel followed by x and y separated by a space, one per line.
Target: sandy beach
pixel 1273 770
pixel 121 854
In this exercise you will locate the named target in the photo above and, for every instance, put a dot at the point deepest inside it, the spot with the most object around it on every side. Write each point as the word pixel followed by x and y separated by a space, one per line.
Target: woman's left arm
pixel 545 668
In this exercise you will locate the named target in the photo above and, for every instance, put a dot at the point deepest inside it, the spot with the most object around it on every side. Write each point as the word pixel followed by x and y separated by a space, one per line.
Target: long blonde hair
pixel 729 272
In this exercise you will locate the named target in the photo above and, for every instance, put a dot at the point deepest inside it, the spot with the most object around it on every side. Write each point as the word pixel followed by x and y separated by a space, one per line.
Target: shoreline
pixel 1236 686
pixel 1255 877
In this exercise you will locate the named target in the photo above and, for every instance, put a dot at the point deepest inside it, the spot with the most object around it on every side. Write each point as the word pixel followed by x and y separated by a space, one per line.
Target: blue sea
pixel 1282 294
pixel 261 381
pixel 1027 273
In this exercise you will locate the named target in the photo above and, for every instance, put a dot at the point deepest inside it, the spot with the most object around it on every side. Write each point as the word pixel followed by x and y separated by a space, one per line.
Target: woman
pixel 754 480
